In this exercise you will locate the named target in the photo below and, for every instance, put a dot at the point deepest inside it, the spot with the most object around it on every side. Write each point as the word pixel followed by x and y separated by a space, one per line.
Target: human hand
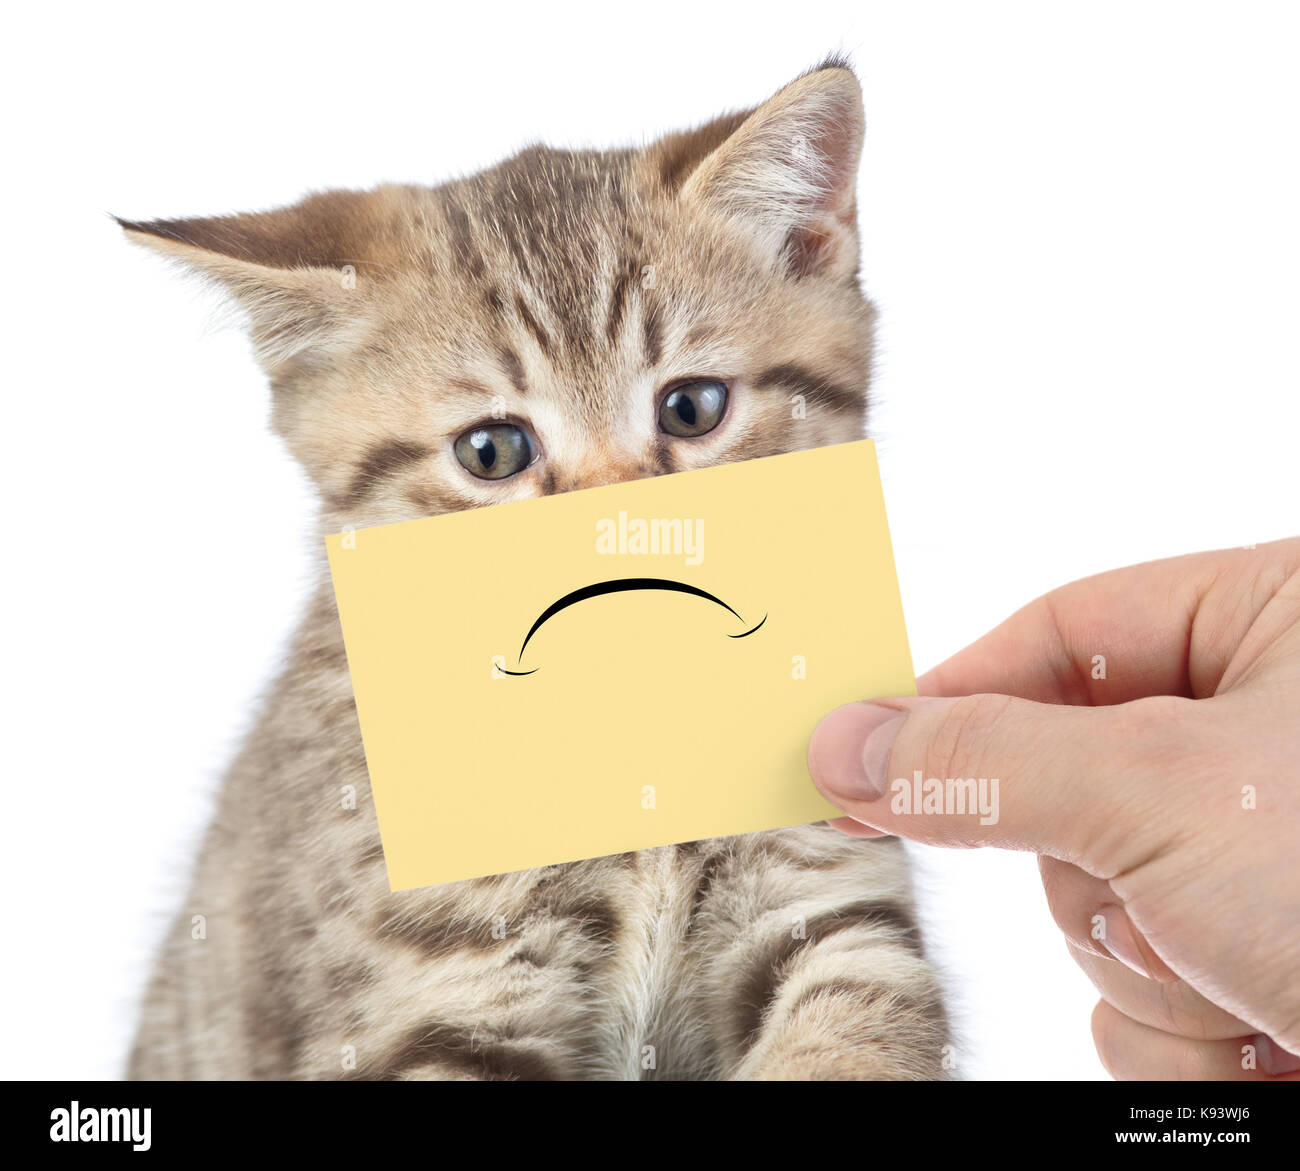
pixel 1144 730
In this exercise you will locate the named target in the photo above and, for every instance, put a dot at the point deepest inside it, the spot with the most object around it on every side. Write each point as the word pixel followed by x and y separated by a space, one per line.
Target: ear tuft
pixel 325 230
pixel 788 172
pixel 293 271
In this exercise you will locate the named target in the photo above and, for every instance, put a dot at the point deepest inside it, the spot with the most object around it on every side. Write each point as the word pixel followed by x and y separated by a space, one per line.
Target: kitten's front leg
pixel 824 1025
pixel 491 979
pixel 822 976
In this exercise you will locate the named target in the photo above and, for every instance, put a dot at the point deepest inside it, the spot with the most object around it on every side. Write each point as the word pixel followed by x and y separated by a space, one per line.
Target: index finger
pixel 1126 634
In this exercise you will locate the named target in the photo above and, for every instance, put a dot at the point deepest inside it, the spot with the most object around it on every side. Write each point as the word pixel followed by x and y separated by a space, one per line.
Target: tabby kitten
pixel 561 320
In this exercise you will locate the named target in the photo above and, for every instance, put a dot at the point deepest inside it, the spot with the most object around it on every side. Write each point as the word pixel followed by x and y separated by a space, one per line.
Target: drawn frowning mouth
pixel 617 586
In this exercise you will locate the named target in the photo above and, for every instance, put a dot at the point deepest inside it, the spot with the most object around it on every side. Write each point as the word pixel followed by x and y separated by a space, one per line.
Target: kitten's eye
pixel 694 408
pixel 494 452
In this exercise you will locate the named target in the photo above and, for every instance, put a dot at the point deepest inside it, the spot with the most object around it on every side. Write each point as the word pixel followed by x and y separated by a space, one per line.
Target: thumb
pixel 1071 782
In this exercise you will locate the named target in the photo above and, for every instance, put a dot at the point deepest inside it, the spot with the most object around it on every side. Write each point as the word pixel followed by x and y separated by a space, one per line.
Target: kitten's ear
pixel 789 171
pixel 296 272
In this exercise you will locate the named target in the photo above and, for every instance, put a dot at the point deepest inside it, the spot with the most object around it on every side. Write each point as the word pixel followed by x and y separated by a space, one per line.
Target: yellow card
pixel 616 668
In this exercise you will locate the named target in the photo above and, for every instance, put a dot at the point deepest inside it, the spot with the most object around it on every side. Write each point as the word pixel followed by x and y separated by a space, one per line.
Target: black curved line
pixel 532 672
pixel 618 585
pixel 750 630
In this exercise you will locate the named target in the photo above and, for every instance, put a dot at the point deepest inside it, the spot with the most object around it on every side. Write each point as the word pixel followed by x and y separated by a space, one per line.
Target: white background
pixel 1079 223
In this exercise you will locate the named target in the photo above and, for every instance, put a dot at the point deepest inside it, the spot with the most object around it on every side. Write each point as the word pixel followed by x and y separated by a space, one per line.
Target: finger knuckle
pixel 968 723
pixel 1185 1013
pixel 1160 729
